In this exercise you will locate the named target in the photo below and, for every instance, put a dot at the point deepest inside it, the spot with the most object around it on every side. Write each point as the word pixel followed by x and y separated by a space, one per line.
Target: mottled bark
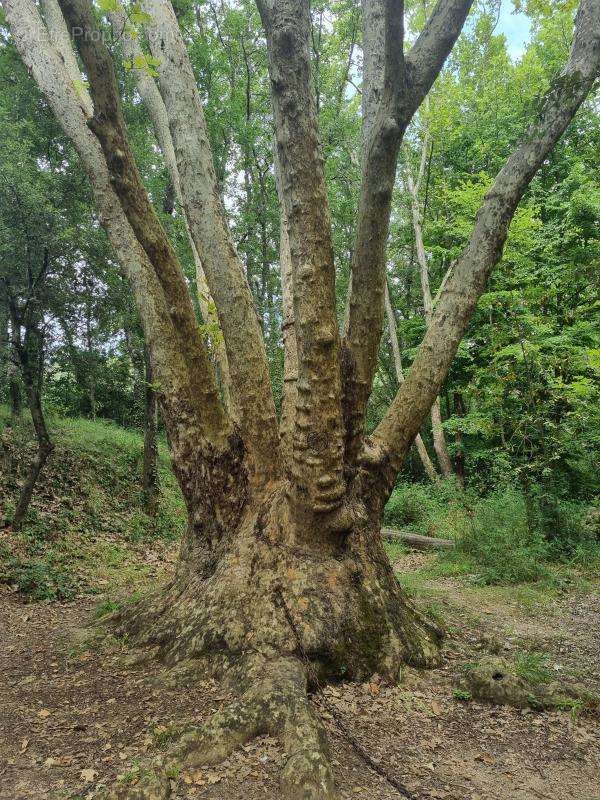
pixel 430 470
pixel 61 39
pixel 153 101
pixel 248 368
pixel 318 484
pixel 288 330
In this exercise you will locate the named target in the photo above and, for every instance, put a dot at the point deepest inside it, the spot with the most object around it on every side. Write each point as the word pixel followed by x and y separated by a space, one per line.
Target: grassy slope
pixel 86 531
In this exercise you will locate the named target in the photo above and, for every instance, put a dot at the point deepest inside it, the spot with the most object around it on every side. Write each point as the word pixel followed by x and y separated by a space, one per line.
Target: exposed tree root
pixel 496 680
pixel 278 705
pixel 273 620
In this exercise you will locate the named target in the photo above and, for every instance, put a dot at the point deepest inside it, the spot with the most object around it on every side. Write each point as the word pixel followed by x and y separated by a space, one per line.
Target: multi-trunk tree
pixel 282 579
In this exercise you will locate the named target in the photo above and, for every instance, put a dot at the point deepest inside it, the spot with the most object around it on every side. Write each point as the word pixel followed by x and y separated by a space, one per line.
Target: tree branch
pixel 109 126
pixel 394 89
pixel 155 106
pixel 428 54
pixel 252 397
pixel 317 461
pixel 469 276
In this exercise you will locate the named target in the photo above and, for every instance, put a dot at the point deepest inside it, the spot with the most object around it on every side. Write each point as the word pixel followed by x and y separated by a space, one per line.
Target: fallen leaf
pixel 44 713
pixel 88 775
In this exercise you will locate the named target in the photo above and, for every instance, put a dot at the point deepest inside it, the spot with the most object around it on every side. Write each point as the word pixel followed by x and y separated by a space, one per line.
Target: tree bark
pixel 430 470
pixel 150 485
pixel 318 485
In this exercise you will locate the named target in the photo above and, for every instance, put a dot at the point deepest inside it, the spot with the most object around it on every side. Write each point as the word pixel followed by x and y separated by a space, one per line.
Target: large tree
pixel 282 580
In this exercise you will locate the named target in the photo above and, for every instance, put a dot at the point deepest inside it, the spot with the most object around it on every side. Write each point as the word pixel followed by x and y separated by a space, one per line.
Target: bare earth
pixel 74 717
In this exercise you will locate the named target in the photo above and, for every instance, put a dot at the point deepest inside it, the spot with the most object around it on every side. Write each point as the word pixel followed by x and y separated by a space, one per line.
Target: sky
pixel 516 28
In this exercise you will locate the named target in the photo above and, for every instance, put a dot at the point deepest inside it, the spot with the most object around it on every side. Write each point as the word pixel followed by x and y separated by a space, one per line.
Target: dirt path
pixel 74 718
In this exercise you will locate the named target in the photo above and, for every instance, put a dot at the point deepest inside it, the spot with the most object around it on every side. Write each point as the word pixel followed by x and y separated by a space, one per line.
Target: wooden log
pixel 415 541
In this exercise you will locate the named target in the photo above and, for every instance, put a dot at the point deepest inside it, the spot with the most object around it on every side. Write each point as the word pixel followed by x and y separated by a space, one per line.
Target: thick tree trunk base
pixel 275 619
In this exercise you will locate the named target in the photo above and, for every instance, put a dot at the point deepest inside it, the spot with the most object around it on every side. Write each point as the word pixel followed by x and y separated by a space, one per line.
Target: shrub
pixel 501 543
pixel 440 509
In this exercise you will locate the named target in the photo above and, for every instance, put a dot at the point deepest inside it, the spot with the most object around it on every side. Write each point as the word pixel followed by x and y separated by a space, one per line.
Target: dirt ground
pixel 74 717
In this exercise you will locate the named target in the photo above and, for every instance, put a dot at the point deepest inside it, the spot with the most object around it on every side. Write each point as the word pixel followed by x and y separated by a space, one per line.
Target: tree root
pixel 278 705
pixel 496 680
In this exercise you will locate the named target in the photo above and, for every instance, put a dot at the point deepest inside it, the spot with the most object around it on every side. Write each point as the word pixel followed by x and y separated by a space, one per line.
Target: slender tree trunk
pixel 430 470
pixel 30 355
pixel 439 438
pixel 459 458
pixel 14 390
pixel 14 381
pixel 150 485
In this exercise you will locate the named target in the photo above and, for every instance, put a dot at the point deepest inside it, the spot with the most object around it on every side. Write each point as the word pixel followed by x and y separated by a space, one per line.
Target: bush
pixel 500 542
pixel 440 509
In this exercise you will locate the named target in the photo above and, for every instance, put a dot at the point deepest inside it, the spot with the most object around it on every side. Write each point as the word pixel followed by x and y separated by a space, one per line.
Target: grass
pixel 532 666
pixel 86 527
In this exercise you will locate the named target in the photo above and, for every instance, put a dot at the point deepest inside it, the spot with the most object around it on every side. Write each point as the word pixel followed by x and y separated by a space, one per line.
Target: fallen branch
pixel 415 541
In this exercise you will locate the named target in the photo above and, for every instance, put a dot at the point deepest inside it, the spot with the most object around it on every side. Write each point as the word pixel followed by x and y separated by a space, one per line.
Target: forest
pixel 299 399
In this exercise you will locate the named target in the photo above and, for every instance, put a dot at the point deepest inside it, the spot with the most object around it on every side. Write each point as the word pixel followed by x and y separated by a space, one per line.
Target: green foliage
pixel 500 542
pixel 86 520
pixel 39 579
pixel 441 509
pixel 505 537
pixel 532 666
pixel 461 694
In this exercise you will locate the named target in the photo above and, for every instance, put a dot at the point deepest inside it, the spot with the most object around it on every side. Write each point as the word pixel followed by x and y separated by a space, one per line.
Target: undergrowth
pixel 506 537
pixel 86 530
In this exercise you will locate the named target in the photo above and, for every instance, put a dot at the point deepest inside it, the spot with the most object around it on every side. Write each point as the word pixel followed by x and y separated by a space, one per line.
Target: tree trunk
pixel 430 470
pixel 14 382
pixel 439 438
pixel 273 614
pixel 30 357
pixel 150 485
pixel 459 458
pixel 14 390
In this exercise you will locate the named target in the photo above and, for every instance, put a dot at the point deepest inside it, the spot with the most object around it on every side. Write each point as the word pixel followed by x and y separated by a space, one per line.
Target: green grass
pixel 86 522
pixel 532 666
